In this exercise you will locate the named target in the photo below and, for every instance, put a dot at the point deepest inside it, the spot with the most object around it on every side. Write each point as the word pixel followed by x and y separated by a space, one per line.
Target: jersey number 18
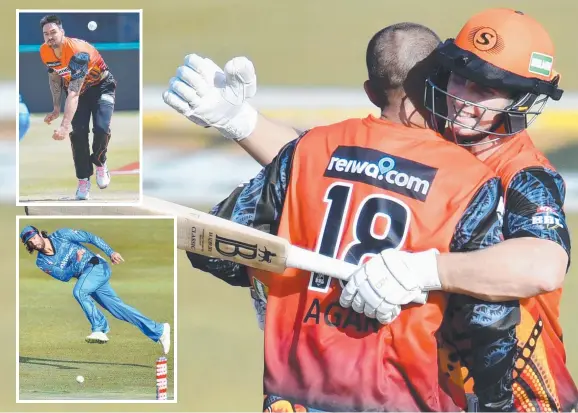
pixel 366 242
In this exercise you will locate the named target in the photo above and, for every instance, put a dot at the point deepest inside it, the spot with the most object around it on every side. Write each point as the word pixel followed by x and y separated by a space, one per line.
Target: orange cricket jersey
pixel 71 46
pixel 541 365
pixel 356 188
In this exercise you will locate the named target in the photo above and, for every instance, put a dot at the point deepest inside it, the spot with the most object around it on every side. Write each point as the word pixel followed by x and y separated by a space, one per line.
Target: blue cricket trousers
pixel 93 285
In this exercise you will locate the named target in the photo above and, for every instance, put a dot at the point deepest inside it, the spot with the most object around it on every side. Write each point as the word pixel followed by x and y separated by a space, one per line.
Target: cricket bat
pixel 211 236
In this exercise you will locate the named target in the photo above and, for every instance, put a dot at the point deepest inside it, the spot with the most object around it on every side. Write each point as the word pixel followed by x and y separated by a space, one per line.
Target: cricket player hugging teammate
pixel 62 256
pixel 77 68
pixel 331 347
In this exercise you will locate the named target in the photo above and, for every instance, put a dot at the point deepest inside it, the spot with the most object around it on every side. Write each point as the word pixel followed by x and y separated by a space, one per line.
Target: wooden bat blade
pixel 197 232
pixel 215 237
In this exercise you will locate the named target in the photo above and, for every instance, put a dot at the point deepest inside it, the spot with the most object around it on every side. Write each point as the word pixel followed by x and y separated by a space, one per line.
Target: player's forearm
pixel 100 244
pixel 56 89
pixel 78 235
pixel 70 107
pixel 104 247
pixel 267 139
pixel 71 103
pixel 514 269
pixel 60 274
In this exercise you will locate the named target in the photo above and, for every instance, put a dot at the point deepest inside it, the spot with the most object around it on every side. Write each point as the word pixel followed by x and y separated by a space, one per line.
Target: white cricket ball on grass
pixel 80 379
pixel 92 25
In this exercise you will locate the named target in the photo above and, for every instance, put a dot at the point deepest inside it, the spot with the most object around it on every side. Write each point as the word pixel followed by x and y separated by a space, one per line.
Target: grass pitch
pixel 46 166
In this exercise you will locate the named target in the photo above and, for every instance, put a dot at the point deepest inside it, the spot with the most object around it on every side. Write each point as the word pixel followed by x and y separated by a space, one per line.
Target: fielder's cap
pixel 27 233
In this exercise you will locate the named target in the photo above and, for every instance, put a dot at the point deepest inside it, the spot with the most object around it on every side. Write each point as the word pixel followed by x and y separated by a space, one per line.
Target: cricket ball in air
pixel 80 379
pixel 92 25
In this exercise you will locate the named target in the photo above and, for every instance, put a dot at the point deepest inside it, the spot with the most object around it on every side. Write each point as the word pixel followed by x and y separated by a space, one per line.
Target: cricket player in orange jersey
pixel 501 72
pixel 373 185
pixel 76 68
pixel 534 257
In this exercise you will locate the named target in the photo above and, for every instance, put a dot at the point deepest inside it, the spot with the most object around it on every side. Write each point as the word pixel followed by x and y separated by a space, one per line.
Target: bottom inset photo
pixel 96 309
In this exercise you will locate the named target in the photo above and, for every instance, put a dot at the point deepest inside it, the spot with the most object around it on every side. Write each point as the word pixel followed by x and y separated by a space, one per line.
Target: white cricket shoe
pixel 97 337
pixel 83 190
pixel 102 176
pixel 165 339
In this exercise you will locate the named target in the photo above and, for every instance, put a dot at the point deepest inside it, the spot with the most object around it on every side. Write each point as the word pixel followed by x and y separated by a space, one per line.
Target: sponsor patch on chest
pixel 393 173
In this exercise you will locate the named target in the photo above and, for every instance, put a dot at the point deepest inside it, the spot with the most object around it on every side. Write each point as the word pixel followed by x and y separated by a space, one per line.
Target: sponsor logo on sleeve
pixel 547 218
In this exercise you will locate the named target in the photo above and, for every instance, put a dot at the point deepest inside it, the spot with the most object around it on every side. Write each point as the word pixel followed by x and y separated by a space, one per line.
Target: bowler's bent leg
pixel 79 141
pixel 110 301
pixel 87 284
pixel 102 111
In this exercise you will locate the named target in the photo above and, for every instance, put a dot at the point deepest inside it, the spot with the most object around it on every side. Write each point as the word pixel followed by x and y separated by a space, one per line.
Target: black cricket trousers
pixel 97 101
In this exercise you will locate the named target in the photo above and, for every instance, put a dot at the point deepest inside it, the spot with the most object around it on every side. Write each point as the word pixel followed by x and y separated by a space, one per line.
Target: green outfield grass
pixel 318 42
pixel 52 349
pixel 220 347
pixel 47 168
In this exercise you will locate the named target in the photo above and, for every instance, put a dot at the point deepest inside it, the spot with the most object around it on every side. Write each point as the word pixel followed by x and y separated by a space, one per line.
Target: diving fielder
pixel 62 256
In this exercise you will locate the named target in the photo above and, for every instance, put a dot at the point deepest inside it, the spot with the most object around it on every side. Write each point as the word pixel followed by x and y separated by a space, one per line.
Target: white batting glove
pixel 390 280
pixel 209 96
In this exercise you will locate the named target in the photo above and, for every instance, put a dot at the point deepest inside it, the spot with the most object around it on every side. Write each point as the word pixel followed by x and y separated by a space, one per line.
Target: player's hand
pixel 60 133
pixel 390 280
pixel 116 258
pixel 79 254
pixel 210 96
pixel 51 116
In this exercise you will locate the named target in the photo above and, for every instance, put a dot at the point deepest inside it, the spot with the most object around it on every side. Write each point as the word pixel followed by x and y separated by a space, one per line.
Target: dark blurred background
pixel 116 37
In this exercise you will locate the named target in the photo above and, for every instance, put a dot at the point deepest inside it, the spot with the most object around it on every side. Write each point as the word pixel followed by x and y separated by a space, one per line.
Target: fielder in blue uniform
pixel 62 256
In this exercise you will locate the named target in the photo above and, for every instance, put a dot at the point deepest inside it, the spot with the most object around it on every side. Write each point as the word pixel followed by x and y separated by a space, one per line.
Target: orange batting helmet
pixel 501 49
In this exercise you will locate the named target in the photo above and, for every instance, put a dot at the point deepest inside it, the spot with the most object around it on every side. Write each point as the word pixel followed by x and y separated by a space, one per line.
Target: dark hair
pixel 393 52
pixel 30 250
pixel 50 18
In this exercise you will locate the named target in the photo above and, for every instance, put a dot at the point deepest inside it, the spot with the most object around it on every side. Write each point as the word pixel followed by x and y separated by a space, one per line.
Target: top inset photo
pixel 79 77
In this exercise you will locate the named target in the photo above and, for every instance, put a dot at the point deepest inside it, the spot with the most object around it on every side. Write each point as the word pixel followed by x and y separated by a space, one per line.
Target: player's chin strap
pixel 439 124
pixel 519 115
pixel 480 140
pixel 436 100
pixel 477 142
pixel 513 119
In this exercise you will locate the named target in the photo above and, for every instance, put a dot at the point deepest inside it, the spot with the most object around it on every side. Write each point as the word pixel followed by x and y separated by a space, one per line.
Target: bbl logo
pixel 546 217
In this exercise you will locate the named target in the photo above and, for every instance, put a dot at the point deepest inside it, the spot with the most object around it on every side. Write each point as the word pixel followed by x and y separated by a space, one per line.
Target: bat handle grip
pixel 312 261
